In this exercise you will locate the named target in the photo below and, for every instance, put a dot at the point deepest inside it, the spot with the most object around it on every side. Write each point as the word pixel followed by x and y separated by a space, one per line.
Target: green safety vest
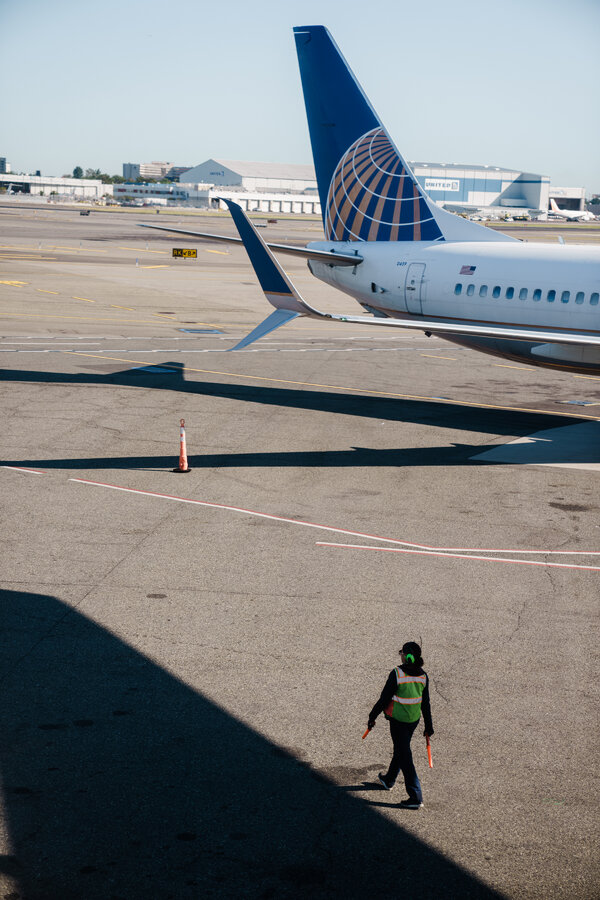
pixel 405 705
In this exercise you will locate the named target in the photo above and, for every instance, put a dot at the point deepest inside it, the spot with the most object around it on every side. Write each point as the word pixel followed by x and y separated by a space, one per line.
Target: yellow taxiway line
pixel 142 250
pixel 339 387
pixel 26 258
pixel 75 249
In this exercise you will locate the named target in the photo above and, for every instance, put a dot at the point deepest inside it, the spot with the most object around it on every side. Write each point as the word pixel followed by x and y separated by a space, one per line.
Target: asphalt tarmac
pixel 188 661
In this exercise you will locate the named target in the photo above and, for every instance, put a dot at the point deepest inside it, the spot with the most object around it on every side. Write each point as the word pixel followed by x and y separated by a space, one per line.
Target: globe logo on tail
pixel 373 196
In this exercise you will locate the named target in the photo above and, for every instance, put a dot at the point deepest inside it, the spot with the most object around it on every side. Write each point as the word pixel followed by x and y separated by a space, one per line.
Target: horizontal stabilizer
pixel 331 257
pixel 277 318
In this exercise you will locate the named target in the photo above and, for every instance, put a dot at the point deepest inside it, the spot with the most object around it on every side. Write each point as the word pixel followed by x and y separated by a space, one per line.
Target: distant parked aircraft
pixel 573 215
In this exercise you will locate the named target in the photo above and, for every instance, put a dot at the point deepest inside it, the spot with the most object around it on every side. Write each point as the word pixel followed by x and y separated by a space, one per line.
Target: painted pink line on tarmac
pixel 21 469
pixel 240 509
pixel 374 537
pixel 515 562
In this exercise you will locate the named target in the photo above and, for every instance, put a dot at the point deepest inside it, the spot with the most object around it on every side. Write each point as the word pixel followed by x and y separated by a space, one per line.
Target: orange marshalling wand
pixel 429 751
pixel 366 733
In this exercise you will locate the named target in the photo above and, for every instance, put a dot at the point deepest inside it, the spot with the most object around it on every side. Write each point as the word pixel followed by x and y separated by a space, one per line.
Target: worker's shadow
pixel 363 786
pixel 120 781
pixel 368 787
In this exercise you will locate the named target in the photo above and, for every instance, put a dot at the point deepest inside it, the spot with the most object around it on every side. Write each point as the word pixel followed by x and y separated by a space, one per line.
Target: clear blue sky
pixel 500 82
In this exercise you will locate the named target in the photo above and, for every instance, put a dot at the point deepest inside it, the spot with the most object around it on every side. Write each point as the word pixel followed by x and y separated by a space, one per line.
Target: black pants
pixel 402 760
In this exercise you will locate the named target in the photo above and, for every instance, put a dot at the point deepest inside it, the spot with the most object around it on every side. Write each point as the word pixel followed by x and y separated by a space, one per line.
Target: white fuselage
pixel 507 283
pixel 570 215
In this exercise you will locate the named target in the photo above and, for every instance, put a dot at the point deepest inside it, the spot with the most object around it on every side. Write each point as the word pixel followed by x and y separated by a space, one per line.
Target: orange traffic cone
pixel 183 463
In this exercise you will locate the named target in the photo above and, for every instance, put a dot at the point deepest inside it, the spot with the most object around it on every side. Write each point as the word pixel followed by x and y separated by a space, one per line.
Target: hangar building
pixel 254 176
pixel 61 188
pixel 476 187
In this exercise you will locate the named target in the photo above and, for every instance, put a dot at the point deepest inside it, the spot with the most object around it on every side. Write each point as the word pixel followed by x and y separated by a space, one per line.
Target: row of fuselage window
pixel 524 293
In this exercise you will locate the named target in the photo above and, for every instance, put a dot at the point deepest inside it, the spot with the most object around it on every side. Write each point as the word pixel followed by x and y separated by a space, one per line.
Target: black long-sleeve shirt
pixel 390 689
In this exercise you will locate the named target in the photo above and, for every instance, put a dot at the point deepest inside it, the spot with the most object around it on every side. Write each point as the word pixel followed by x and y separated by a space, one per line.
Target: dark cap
pixel 412 649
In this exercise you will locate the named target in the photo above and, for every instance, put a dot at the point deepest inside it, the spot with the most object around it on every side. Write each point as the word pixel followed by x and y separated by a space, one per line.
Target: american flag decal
pixel 467 270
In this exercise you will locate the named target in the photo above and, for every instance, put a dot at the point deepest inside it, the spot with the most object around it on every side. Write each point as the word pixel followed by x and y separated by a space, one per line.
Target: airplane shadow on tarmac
pixel 513 423
pixel 123 783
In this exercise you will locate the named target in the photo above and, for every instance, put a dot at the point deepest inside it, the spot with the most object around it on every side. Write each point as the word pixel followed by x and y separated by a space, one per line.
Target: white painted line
pixel 374 537
pixel 21 469
pixel 247 350
pixel 501 559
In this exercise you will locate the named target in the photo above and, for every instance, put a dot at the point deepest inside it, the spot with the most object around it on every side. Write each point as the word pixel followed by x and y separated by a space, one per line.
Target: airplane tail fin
pixel 553 205
pixel 367 190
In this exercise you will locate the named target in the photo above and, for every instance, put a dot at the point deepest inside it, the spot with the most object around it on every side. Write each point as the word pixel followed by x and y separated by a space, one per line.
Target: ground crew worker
pixel 404 697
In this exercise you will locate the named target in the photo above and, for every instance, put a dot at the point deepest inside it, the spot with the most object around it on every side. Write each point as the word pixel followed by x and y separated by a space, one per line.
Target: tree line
pixel 112 179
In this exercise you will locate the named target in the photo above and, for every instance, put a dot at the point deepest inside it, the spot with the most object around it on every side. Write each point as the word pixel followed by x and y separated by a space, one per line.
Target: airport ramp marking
pixel 11 247
pixel 23 469
pixel 500 559
pixel 142 250
pixel 91 319
pixel 357 390
pixel 421 548
pixel 87 300
pixel 76 249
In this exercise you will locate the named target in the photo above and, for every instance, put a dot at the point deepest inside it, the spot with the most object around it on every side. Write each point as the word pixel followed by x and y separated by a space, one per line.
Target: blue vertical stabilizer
pixel 367 191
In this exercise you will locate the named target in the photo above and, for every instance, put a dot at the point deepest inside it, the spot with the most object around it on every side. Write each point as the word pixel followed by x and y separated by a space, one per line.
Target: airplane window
pixel 470 290
pixel 564 297
pixel 483 290
pixel 537 294
pixel 510 293
pixel 458 289
pixel 496 292
pixel 594 299
pixel 523 294
pixel 551 296
pixel 580 297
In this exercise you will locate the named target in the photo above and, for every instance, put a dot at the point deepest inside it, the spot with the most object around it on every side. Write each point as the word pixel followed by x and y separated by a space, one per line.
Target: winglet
pixel 277 287
pixel 277 318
